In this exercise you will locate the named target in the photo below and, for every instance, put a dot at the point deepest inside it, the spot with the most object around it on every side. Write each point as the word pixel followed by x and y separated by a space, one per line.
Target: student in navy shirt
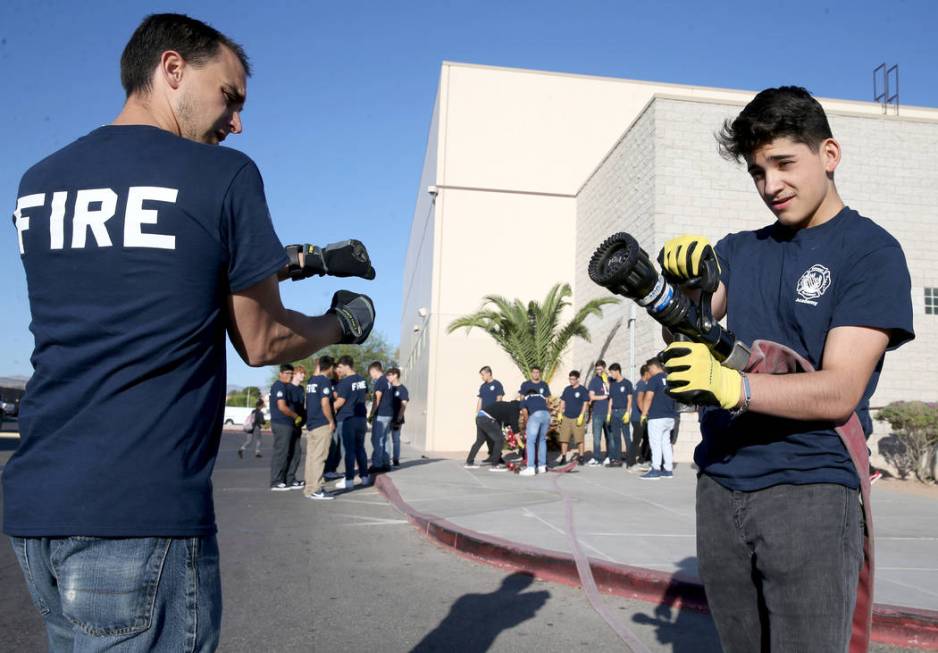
pixel 574 402
pixel 599 404
pixel 781 567
pixel 620 392
pixel 399 399
pixel 534 383
pixel 490 391
pixel 284 419
pixel 534 407
pixel 143 243
pixel 639 434
pixel 320 424
pixel 351 423
pixel 297 390
pixel 660 413
pixel 380 417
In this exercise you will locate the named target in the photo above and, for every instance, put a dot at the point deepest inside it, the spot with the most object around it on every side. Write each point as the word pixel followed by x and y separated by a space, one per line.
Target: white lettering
pixel 57 221
pixel 22 221
pixel 85 217
pixel 136 216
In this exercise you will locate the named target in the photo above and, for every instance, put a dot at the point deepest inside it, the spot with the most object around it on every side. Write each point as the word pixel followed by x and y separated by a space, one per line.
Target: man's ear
pixel 172 68
pixel 830 155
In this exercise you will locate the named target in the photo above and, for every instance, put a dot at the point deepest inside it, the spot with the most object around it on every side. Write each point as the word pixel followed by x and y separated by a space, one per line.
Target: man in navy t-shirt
pixel 284 419
pixel 620 393
pixel 351 422
pixel 599 404
pixel 660 413
pixel 779 523
pixel 490 391
pixel 320 424
pixel 534 383
pixel 574 402
pixel 399 399
pixel 380 418
pixel 638 424
pixel 142 242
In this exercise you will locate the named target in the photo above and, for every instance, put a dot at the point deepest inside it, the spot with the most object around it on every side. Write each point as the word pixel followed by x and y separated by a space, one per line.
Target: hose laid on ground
pixel 587 582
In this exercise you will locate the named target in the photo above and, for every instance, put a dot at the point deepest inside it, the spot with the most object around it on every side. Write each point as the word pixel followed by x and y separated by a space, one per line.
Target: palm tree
pixel 531 334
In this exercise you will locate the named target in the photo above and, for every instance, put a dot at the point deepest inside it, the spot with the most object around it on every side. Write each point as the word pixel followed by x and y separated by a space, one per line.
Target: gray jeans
pixel 780 565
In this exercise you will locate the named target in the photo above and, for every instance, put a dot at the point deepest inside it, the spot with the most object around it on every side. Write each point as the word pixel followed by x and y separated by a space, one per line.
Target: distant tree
pixel 245 397
pixel 532 334
pixel 376 348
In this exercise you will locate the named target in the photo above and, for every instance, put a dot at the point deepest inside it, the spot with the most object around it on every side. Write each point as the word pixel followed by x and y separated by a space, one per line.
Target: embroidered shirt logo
pixel 812 284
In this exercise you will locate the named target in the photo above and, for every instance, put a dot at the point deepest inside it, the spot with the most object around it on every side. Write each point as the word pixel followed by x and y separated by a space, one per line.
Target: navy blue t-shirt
pixel 298 399
pixel 280 391
pixel 534 404
pixel 399 395
pixel 317 388
pixel 640 387
pixel 620 391
pixel 542 388
pixel 601 388
pixel 385 408
pixel 793 288
pixel 573 400
pixel 354 390
pixel 132 239
pixel 490 392
pixel 662 405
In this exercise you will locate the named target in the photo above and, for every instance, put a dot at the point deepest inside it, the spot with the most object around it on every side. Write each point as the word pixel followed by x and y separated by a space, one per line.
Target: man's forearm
pixel 297 336
pixel 821 395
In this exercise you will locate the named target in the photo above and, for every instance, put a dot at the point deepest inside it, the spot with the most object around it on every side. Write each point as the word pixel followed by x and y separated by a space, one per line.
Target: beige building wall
pixel 531 170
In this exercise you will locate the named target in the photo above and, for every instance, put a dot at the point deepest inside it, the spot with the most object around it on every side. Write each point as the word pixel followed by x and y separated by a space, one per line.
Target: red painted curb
pixel 894 625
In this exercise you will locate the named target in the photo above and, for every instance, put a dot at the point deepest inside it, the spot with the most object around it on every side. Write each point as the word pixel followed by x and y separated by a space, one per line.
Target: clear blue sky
pixel 340 101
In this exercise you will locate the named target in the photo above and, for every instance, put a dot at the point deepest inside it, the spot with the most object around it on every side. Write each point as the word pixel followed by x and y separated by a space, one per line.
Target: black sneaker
pixel 396 463
pixel 297 485
pixel 615 463
pixel 240 453
pixel 279 487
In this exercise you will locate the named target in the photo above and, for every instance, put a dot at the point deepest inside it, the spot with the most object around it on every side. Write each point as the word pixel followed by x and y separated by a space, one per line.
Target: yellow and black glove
pixel 625 417
pixel 682 260
pixel 696 377
pixel 580 419
pixel 297 420
pixel 608 418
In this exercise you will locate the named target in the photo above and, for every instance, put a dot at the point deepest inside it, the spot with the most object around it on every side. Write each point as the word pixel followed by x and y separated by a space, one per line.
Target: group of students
pixel 333 407
pixel 644 416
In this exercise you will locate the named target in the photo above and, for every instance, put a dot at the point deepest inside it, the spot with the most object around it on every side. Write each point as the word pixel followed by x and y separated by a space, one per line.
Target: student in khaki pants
pixel 320 423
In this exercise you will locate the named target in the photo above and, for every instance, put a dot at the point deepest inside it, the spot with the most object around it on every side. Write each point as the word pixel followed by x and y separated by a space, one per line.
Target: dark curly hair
pixel 787 111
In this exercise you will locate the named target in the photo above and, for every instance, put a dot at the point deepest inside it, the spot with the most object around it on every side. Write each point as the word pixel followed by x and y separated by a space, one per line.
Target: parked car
pixel 9 408
pixel 236 414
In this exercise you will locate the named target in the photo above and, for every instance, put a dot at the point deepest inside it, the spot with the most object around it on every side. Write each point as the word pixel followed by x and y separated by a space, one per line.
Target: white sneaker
pixel 527 471
pixel 322 495
pixel 366 480
pixel 592 463
pixel 542 469
pixel 471 466
pixel 344 484
pixel 606 462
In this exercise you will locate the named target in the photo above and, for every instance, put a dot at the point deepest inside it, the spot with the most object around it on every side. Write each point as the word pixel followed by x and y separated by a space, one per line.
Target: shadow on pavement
pixel 687 631
pixel 475 620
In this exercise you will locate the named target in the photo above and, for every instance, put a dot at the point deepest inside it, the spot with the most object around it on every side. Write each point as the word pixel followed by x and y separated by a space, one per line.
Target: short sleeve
pixel 724 253
pixel 404 395
pixel 499 389
pixel 479 393
pixel 342 390
pixel 254 250
pixel 877 294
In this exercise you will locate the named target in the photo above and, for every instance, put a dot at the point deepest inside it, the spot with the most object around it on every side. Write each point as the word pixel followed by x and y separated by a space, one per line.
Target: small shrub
pixel 915 426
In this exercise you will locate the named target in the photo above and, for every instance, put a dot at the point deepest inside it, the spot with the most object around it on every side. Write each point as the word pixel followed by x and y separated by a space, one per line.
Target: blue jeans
pixel 618 431
pixel 536 437
pixel 352 432
pixel 124 594
pixel 379 438
pixel 394 443
pixel 599 426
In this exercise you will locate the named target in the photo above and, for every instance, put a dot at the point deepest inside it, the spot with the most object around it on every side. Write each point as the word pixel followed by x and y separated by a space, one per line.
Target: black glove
pixel 356 315
pixel 348 258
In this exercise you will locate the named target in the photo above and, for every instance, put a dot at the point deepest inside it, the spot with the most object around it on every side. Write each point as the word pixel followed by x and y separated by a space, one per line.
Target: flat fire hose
pixel 587 582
